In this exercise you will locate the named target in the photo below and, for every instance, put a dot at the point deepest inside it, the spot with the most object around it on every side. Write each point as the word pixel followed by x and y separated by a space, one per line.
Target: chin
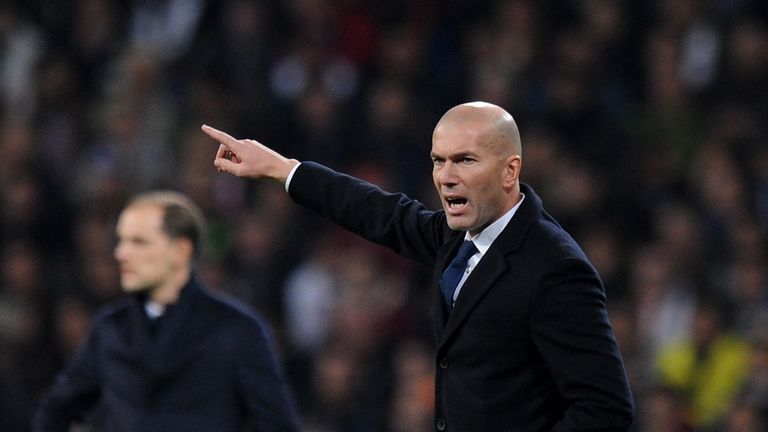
pixel 131 288
pixel 457 225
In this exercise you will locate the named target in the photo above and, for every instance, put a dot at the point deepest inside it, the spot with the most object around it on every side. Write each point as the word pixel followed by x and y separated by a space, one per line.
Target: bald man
pixel 523 337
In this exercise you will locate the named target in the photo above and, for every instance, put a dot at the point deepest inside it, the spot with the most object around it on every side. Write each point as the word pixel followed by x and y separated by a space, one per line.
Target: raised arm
pixel 248 158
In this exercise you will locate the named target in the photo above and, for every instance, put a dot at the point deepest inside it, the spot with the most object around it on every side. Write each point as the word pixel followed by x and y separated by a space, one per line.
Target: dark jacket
pixel 207 364
pixel 528 346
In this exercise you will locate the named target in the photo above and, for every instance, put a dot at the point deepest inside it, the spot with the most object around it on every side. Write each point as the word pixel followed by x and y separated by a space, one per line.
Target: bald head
pixel 497 126
pixel 476 165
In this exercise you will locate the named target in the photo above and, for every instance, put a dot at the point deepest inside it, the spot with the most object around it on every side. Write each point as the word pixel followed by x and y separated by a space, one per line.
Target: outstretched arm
pixel 248 158
pixel 393 220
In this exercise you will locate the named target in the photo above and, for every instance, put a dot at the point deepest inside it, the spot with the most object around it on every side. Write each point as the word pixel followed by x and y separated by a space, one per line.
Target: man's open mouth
pixel 456 203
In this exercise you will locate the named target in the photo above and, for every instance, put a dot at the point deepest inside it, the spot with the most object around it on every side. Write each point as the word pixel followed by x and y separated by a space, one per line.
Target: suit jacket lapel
pixel 483 277
pixel 178 337
pixel 134 339
pixel 489 269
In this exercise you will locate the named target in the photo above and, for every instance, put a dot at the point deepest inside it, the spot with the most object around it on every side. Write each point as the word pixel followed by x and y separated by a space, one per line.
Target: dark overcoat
pixel 528 345
pixel 207 364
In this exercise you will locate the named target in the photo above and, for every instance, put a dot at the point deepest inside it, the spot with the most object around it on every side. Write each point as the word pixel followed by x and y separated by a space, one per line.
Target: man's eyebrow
pixel 462 155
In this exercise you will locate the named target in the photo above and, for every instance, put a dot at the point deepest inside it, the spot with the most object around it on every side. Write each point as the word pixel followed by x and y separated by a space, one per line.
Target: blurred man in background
pixel 172 355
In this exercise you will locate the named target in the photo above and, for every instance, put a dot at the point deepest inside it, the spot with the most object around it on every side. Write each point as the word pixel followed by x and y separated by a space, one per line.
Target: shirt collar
pixel 487 236
pixel 154 309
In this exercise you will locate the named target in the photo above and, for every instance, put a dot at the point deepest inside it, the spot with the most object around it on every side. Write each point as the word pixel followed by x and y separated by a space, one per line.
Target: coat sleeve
pixel 261 383
pixel 571 330
pixel 392 220
pixel 75 390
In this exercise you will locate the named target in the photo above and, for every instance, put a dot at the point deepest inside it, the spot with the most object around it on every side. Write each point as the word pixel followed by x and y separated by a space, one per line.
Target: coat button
pixel 443 363
pixel 440 424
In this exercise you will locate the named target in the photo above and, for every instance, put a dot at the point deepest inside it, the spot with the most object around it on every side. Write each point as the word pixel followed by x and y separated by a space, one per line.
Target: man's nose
pixel 447 174
pixel 119 252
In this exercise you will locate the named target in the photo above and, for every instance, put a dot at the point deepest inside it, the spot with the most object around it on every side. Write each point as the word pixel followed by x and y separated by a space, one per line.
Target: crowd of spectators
pixel 643 129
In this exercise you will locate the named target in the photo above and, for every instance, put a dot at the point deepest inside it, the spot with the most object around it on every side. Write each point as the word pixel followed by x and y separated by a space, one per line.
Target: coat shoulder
pixel 115 311
pixel 237 313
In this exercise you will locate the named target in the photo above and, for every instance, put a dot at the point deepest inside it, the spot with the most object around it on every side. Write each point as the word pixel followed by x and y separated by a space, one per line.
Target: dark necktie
pixel 452 274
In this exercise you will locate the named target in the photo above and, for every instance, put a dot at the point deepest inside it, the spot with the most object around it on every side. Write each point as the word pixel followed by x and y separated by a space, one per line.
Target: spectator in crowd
pixel 708 369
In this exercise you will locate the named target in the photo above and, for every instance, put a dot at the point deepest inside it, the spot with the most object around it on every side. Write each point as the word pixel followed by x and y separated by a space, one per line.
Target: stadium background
pixel 644 130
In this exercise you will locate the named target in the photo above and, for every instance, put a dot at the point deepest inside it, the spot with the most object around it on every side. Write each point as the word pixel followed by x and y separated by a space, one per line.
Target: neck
pixel 168 293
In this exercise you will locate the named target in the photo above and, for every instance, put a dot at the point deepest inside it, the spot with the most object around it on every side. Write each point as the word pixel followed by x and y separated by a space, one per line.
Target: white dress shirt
pixel 484 240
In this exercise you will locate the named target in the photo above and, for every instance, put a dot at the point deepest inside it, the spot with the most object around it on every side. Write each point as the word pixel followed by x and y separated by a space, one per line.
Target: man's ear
pixel 184 249
pixel 512 168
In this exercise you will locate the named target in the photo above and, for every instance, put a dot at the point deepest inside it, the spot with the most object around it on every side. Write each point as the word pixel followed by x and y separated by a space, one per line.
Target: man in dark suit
pixel 523 342
pixel 172 356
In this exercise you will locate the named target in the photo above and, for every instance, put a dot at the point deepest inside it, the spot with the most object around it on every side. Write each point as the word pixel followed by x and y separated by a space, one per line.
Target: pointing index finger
pixel 222 137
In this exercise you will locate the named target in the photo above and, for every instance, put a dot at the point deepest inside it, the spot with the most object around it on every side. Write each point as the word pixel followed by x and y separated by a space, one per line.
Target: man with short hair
pixel 172 356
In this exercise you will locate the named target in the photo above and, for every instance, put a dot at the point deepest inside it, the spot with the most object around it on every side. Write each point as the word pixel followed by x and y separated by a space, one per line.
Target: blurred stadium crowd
pixel 644 130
